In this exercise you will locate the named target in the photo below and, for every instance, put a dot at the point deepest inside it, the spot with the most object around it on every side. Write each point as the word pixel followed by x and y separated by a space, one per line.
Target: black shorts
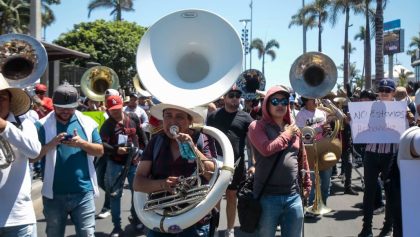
pixel 238 176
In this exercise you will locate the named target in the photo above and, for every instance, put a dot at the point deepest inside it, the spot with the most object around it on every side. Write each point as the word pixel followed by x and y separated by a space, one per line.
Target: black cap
pixel 65 96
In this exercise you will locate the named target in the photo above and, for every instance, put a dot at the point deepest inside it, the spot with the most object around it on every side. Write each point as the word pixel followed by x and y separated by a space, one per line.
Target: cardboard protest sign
pixel 378 121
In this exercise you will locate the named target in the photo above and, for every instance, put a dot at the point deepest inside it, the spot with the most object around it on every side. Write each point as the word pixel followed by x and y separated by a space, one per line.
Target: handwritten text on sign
pixel 378 121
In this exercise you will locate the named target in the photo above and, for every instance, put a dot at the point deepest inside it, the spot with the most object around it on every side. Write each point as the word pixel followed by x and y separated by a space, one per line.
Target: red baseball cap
pixel 40 87
pixel 114 102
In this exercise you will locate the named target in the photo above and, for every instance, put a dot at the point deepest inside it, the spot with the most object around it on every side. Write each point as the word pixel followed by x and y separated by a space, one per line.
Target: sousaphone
pixel 313 75
pixel 96 80
pixel 189 58
pixel 23 59
pixel 249 82
pixel 138 85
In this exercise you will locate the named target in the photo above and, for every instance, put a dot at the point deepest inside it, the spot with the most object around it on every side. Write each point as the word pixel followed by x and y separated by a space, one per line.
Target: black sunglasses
pixel 40 92
pixel 384 90
pixel 277 101
pixel 234 94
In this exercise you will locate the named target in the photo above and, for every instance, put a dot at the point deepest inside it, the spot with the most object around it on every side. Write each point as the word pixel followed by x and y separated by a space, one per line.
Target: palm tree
pixel 403 76
pixel 299 20
pixel 415 42
pixel 367 45
pixel 264 49
pixel 316 12
pixel 117 7
pixel 14 16
pixel 344 7
pixel 379 39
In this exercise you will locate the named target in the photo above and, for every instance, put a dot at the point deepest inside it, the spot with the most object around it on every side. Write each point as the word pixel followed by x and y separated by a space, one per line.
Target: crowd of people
pixel 131 139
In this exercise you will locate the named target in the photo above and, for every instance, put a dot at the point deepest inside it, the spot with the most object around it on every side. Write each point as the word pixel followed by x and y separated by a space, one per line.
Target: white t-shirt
pixel 144 120
pixel 317 118
pixel 15 181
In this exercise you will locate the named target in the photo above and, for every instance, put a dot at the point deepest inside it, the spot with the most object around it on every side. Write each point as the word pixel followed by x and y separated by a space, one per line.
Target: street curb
pixel 37 197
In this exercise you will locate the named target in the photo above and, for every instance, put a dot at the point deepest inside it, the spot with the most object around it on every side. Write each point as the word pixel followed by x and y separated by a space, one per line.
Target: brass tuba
pixel 313 75
pixel 96 80
pixel 138 85
pixel 189 68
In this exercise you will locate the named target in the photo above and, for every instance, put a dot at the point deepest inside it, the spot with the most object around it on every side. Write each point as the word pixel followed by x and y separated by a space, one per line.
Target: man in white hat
pixel 17 216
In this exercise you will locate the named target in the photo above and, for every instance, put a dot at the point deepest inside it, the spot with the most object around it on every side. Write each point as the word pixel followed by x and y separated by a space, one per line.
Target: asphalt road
pixel 344 221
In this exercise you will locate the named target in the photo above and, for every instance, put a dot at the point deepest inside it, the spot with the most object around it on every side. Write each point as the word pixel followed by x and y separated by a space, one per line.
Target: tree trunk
pixel 118 17
pixel 319 34
pixel 263 63
pixel 346 48
pixel 379 41
pixel 368 62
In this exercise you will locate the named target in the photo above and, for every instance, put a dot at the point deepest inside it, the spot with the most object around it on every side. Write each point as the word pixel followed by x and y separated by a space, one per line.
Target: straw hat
pixel 21 102
pixel 157 112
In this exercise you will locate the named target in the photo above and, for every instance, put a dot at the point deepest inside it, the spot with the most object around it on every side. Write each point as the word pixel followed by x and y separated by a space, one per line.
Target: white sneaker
pixel 104 213
pixel 230 233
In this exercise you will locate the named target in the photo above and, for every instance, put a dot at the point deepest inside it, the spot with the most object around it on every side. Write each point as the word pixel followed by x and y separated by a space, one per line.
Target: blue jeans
pixel 283 210
pixel 81 208
pixel 113 170
pixel 325 176
pixel 193 231
pixel 28 230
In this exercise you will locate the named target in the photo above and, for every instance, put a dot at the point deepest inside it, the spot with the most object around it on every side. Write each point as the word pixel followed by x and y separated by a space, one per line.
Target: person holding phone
pixel 70 141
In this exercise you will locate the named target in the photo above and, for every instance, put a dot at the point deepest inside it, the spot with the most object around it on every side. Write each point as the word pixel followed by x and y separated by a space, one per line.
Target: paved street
pixel 344 221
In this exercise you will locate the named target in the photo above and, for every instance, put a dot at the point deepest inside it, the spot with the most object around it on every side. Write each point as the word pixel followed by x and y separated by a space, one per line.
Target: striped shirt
pixel 382 148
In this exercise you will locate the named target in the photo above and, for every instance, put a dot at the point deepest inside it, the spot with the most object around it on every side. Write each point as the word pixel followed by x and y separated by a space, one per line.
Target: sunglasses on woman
pixel 277 101
pixel 237 95
pixel 384 90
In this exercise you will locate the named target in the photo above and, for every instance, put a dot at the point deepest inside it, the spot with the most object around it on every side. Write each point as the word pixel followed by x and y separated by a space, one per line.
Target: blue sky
pixel 270 21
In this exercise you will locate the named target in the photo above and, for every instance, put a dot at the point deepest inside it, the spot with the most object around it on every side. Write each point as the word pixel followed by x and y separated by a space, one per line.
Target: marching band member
pixel 271 136
pixel 311 115
pixel 120 131
pixel 17 216
pixel 234 123
pixel 162 163
pixel 70 141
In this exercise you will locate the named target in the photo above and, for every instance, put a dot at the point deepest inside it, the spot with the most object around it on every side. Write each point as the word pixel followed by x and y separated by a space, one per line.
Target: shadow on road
pixel 344 215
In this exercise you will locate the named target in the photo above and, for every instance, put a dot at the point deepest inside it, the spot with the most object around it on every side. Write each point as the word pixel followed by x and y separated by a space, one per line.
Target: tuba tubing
pixel 180 222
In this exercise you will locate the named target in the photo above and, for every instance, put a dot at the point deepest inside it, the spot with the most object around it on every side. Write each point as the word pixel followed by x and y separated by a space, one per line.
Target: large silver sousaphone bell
pixel 191 55
pixel 189 58
pixel 313 75
pixel 23 59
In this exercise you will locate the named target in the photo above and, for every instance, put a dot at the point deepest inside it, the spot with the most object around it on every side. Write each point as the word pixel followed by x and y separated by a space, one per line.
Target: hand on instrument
pixel 122 150
pixel 292 129
pixel 169 183
pixel 251 170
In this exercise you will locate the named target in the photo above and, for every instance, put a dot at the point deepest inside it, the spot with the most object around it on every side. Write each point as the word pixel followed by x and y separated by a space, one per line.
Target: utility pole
pixel 35 19
pixel 250 36
pixel 245 39
pixel 304 29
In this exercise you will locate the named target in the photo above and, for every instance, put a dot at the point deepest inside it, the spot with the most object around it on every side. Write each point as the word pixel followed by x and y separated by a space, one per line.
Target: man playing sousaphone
pixel 18 146
pixel 164 163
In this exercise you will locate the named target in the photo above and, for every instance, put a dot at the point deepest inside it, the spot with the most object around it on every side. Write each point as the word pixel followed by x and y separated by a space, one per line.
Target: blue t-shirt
pixel 71 174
